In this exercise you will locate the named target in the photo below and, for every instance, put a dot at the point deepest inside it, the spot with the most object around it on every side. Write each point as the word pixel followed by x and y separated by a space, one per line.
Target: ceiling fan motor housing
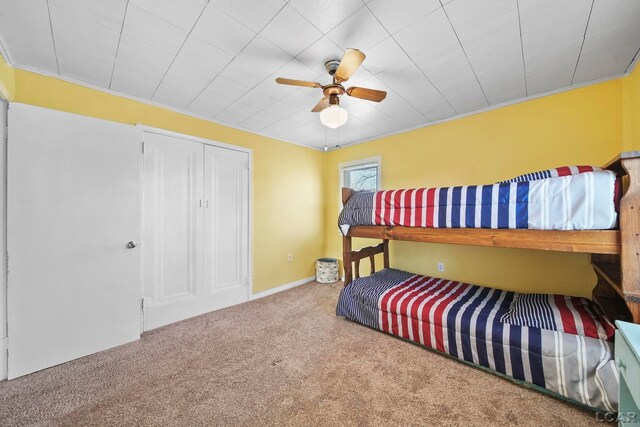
pixel 332 66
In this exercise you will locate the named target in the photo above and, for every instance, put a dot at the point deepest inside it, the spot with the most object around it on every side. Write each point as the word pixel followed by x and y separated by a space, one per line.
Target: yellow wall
pixel 581 126
pixel 6 80
pixel 631 105
pixel 287 179
pixel 296 189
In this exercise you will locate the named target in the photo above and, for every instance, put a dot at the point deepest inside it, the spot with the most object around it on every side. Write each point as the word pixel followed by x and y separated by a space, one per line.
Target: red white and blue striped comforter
pixel 562 344
pixel 566 198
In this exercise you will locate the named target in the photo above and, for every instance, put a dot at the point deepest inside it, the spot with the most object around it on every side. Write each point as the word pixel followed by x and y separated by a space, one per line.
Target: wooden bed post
pixel 346 242
pixel 630 237
pixel 346 259
pixel 385 254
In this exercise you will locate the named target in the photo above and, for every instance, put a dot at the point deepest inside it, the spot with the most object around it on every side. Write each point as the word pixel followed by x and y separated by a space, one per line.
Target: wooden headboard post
pixel 346 194
pixel 630 235
pixel 618 288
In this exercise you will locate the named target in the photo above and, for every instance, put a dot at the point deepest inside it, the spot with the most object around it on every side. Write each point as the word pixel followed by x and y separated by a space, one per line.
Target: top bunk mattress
pixel 567 198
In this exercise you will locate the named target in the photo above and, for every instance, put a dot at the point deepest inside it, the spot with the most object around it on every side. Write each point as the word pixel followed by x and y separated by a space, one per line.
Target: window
pixel 361 174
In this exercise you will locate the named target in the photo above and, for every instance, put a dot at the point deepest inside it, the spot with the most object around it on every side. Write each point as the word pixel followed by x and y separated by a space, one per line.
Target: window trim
pixel 342 167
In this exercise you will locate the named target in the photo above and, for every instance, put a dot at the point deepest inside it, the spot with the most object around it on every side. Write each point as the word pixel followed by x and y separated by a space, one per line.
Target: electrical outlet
pixel 440 266
pixel 290 257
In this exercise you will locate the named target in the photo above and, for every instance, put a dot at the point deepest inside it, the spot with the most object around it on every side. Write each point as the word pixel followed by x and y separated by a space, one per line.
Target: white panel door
pixel 74 186
pixel 226 226
pixel 196 224
pixel 173 205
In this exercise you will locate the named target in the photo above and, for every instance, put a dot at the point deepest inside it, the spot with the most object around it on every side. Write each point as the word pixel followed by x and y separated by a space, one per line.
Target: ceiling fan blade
pixel 294 82
pixel 349 63
pixel 368 94
pixel 324 103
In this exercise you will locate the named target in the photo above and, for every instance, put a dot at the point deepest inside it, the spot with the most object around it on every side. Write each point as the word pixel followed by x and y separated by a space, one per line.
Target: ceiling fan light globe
pixel 334 116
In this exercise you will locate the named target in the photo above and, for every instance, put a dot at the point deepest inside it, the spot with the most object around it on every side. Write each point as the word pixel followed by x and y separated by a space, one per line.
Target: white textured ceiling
pixel 218 58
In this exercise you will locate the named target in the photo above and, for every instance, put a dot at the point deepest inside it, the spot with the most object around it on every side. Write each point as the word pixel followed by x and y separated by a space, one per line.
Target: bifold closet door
pixel 196 248
pixel 173 224
pixel 226 223
pixel 74 186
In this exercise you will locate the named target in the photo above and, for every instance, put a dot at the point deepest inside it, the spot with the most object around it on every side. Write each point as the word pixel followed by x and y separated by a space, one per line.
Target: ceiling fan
pixel 331 114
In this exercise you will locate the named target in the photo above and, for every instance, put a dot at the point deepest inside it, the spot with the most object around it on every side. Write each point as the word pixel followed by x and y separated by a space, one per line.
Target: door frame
pixel 249 151
pixel 4 335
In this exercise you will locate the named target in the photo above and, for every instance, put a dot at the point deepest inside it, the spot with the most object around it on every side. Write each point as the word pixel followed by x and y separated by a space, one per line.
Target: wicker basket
pixel 327 270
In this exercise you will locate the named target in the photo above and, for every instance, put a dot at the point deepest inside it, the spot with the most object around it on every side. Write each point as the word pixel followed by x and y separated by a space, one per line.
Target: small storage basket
pixel 327 270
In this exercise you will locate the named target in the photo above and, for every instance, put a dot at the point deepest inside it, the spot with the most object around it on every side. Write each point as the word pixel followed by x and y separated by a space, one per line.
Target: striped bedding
pixel 561 353
pixel 567 198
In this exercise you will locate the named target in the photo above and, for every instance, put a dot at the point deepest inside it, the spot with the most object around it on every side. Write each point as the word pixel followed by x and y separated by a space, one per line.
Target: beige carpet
pixel 282 360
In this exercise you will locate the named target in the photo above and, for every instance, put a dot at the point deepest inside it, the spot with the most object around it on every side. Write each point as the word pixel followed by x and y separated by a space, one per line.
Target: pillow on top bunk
pixel 553 173
pixel 571 315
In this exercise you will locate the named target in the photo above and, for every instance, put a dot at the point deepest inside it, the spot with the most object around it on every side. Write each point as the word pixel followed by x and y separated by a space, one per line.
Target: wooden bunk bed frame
pixel 615 254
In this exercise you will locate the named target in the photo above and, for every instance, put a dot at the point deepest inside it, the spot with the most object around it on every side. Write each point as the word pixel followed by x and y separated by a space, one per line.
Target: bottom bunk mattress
pixel 562 344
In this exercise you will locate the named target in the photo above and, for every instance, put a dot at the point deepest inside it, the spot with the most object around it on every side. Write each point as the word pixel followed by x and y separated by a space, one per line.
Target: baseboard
pixel 281 288
pixel 4 346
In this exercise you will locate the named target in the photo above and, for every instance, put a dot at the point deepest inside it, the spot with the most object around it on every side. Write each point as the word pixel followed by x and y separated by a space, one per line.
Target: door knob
pixel 132 244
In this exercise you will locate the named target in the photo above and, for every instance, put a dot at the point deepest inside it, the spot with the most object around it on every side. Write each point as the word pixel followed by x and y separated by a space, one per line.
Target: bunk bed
pixel 476 324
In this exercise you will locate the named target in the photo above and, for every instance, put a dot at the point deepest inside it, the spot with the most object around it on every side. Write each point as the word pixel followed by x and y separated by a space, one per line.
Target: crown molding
pixel 5 54
pixel 634 63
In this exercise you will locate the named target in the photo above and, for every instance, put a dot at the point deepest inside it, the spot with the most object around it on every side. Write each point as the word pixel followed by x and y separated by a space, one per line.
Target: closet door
pixel 226 226
pixel 173 215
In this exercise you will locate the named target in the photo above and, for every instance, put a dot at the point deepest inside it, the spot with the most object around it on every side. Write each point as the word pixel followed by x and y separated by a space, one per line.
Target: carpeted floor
pixel 282 360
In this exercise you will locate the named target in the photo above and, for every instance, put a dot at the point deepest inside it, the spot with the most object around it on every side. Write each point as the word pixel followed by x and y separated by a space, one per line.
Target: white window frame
pixel 377 160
